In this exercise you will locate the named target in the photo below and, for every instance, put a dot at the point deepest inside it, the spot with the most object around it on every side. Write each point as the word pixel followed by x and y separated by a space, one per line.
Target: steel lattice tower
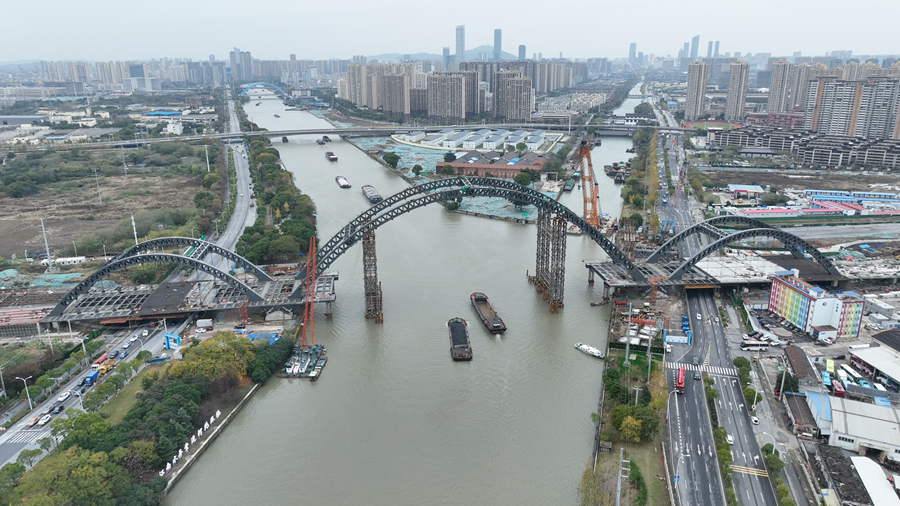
pixel 544 240
pixel 370 279
pixel 557 262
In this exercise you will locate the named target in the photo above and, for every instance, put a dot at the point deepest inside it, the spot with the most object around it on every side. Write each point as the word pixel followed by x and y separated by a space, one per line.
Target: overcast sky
pixel 117 30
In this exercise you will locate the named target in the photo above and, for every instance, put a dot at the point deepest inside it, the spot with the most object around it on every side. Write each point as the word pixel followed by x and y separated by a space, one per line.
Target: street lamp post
pixel 76 248
pixel 27 393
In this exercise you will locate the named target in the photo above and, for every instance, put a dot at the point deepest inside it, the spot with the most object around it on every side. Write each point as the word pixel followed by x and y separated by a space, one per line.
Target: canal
pixel 394 421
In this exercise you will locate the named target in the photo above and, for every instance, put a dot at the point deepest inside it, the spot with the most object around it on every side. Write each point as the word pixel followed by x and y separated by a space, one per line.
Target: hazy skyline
pixel 107 30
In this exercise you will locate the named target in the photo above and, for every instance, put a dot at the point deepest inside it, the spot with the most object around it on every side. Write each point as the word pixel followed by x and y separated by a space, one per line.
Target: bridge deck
pixel 617 276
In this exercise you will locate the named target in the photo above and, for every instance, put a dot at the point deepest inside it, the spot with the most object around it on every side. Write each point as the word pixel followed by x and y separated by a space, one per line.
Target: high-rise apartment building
pixel 737 91
pixel 716 50
pixel 869 109
pixel 498 44
pixel 695 47
pixel 522 52
pixel 513 98
pixel 632 52
pixel 446 59
pixel 394 91
pixel 709 50
pixel 800 74
pixel 446 97
pixel 460 43
pixel 779 87
pixel 696 90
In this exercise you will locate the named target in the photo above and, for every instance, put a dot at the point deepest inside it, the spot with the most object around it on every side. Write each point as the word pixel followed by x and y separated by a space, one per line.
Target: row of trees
pixel 104 464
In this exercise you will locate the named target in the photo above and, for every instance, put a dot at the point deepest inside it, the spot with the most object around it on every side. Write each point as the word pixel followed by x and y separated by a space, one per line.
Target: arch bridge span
pixel 267 85
pixel 201 250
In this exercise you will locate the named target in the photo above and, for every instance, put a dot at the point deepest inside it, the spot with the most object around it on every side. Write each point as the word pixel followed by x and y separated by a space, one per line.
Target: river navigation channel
pixel 394 421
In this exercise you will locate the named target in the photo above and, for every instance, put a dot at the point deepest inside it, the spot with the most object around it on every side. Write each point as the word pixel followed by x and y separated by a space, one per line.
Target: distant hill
pixel 471 55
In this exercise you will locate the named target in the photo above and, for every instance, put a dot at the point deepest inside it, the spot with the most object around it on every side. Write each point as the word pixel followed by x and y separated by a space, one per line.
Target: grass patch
pixel 119 405
pixel 135 193
pixel 648 459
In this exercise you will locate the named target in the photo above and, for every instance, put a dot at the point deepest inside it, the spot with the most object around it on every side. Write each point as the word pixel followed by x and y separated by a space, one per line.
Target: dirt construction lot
pixel 67 208
pixel 790 179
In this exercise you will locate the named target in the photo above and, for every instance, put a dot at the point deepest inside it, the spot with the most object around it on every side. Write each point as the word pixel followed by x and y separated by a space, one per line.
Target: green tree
pixel 266 158
pixel 637 219
pixel 447 170
pixel 417 169
pixel 118 380
pixel 741 362
pixel 143 356
pixel 521 148
pixel 45 381
pixel 210 179
pixel 45 443
pixel 750 396
pixel 203 200
pixel 774 463
pixel 631 429
pixel 523 178
pixel 144 275
pixel 449 156
pixel 9 475
pixel 791 383
pixel 27 458
pixel 391 159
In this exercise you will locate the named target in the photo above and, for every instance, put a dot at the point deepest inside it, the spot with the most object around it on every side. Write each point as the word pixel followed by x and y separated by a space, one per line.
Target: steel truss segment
pixel 163 258
pixel 788 239
pixel 205 246
pixel 708 228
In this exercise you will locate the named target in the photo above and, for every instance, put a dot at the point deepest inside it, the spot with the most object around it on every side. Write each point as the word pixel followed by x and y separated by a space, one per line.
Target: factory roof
pixel 882 358
pixel 875 423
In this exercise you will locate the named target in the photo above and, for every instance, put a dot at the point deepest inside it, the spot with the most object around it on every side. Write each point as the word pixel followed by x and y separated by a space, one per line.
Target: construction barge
pixel 304 361
pixel 485 310
pixel 460 347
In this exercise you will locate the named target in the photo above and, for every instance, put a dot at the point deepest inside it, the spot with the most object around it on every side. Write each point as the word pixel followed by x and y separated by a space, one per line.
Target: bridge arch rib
pixel 708 229
pixel 268 85
pixel 788 239
pixel 164 258
pixel 207 248
pixel 371 220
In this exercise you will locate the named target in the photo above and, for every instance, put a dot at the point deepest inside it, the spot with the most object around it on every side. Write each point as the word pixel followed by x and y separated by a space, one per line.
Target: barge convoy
pixel 460 348
pixel 485 310
pixel 304 363
pixel 371 193
pixel 342 182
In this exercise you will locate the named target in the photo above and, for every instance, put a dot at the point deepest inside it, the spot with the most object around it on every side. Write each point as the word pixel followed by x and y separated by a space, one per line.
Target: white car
pixel 126 345
pixel 699 317
pixel 729 439
pixel 45 420
pixel 754 420
pixel 133 339
pixel 63 396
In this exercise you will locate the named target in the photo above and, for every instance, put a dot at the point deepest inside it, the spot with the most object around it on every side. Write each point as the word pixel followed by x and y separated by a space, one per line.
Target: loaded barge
pixel 371 193
pixel 342 182
pixel 304 362
pixel 485 310
pixel 460 348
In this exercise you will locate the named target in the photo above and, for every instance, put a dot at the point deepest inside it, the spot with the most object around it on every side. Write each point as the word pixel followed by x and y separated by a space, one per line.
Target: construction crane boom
pixel 588 187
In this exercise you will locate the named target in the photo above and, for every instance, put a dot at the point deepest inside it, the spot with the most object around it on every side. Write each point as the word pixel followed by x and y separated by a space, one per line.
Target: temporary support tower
pixel 370 279
pixel 557 262
pixel 588 187
pixel 308 333
pixel 544 239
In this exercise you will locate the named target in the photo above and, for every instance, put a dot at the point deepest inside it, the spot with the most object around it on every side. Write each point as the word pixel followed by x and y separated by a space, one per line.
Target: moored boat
pixel 326 138
pixel 569 185
pixel 485 310
pixel 342 182
pixel 573 230
pixel 277 116
pixel 590 350
pixel 317 371
pixel 320 142
pixel 460 348
pixel 330 156
pixel 371 193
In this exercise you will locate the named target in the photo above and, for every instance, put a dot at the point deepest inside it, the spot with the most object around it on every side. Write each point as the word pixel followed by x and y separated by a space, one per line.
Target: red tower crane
pixel 588 187
pixel 310 298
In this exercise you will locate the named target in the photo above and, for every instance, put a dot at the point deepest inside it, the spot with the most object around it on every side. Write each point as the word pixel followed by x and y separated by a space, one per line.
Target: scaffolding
pixel 370 279
pixel 544 239
pixel 243 315
pixel 654 287
pixel 557 263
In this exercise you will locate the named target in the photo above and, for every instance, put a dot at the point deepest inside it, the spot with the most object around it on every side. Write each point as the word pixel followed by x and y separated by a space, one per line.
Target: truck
pixel 206 324
pixel 107 366
pixel 91 379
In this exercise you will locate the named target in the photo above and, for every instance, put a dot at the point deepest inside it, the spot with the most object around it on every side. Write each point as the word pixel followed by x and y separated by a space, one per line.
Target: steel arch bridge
pixel 268 85
pixel 163 258
pixel 790 240
pixel 707 228
pixel 201 249
pixel 450 189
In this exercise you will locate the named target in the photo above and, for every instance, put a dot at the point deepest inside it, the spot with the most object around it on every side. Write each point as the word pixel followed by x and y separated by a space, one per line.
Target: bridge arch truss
pixel 790 240
pixel 707 228
pixel 268 85
pixel 164 258
pixel 202 248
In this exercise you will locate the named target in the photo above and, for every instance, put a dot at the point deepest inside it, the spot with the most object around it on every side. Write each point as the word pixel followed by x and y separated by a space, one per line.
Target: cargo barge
pixel 342 182
pixel 485 310
pixel 371 193
pixel 460 348
pixel 317 370
pixel 303 362
pixel 569 185
pixel 330 156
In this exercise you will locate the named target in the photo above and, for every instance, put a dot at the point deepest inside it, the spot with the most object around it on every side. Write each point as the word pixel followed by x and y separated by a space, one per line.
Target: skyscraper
pixel 778 87
pixel 869 109
pixel 446 97
pixel 709 50
pixel 446 59
pixel 800 74
pixel 696 90
pixel 632 52
pixel 716 50
pixel 737 91
pixel 460 43
pixel 498 44
pixel 522 52
pixel 695 46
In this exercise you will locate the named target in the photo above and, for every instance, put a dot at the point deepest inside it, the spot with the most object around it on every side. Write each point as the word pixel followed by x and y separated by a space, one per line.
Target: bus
pixel 754 346
pixel 826 379
pixel 879 387
pixel 842 375
pixel 852 375
pixel 102 358
pixel 679 381
pixel 838 388
pixel 829 366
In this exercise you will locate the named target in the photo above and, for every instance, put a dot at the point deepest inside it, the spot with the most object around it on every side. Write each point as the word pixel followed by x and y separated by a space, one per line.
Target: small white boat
pixel 590 350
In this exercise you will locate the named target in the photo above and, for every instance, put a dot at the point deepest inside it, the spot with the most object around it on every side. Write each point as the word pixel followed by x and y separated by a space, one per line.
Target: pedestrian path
pixel 709 369
pixel 25 436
